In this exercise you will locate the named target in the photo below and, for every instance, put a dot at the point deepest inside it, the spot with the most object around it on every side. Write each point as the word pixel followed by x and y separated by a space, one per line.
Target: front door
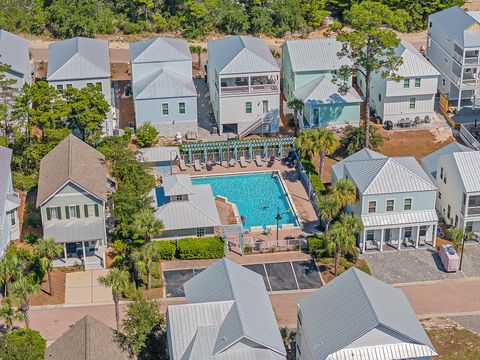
pixel 388 236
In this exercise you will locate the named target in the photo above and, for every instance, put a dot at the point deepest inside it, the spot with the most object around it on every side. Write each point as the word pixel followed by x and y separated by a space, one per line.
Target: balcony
pixel 470 60
pixel 473 210
pixel 249 85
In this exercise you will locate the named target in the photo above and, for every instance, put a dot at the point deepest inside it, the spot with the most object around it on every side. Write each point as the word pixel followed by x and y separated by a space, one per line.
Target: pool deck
pixel 298 194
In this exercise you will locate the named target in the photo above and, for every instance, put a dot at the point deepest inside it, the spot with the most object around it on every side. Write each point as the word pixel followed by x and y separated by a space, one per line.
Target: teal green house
pixel 307 76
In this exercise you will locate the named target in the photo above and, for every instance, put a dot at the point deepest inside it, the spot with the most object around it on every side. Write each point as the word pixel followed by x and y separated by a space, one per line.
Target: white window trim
pixel 411 204
pixel 386 205
pixel 368 206
pixel 184 108
pixel 168 109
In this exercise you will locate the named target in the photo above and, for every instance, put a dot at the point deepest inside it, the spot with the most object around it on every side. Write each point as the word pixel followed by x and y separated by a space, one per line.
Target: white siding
pixel 80 84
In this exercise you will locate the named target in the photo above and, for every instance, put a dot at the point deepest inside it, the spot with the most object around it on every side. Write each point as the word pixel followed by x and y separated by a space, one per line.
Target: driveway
pixel 83 288
pixel 420 265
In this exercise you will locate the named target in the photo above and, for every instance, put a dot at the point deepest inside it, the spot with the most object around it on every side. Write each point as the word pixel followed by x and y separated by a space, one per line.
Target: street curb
pixel 433 282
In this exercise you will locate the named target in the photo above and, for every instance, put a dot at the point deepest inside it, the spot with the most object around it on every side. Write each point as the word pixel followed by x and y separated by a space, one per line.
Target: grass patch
pixel 454 343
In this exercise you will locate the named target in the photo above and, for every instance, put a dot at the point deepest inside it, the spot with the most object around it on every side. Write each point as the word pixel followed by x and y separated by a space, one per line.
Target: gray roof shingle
pixel 241 55
pixel 14 52
pixel 78 58
pixel 352 305
pixel 88 339
pixel 76 161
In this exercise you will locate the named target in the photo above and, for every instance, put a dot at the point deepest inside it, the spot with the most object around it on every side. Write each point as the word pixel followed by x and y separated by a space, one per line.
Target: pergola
pixel 231 148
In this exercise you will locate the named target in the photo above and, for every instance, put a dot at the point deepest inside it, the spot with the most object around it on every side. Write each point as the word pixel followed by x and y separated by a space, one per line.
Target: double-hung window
pixel 165 109
pixel 13 221
pixel 412 103
pixel 407 204
pixel 181 108
pixel 406 83
pixel 54 213
pixel 418 82
pixel 72 211
pixel 91 210
pixel 248 107
pixel 372 206
pixel 390 205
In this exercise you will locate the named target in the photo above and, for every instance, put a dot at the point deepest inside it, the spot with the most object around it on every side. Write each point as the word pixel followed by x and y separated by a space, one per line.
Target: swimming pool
pixel 257 196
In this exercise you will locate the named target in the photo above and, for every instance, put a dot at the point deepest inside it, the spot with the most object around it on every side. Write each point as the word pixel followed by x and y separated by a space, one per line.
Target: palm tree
pixel 339 241
pixel 47 250
pixel 345 191
pixel 305 142
pixel 354 225
pixel 22 290
pixel 8 270
pixel 197 49
pixel 329 209
pixel 118 279
pixel 146 225
pixel 145 260
pixel 325 143
pixel 296 105
pixel 8 314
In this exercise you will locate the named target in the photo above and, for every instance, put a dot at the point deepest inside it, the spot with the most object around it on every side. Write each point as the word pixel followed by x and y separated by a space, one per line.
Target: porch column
pixel 190 157
pixel 459 94
pixel 220 154
pixel 434 235
pixel 364 239
pixel 381 240
pixel 84 253
pixel 418 237
pixel 280 150
pixel 399 237
pixel 250 152
pixel 204 155
pixel 65 252
pixel 235 155
pixel 265 151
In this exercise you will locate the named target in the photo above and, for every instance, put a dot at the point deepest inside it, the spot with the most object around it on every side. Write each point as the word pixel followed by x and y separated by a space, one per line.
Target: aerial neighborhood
pixel 239 180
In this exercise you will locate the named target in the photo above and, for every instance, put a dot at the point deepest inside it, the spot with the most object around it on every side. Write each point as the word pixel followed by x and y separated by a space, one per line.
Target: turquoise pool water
pixel 257 196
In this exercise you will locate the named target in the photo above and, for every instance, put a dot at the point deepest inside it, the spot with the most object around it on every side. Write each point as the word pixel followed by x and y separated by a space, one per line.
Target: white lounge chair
pixel 181 165
pixel 232 162
pixel 197 166
pixel 243 163
pixel 258 161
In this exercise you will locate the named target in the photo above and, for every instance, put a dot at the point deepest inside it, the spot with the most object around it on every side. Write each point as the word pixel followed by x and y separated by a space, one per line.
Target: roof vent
pixel 223 338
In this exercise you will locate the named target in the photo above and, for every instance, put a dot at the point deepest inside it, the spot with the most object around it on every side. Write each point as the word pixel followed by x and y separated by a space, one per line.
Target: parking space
pixel 280 276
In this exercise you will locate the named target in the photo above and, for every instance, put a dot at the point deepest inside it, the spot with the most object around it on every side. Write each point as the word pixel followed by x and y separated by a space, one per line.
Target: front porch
pixel 90 253
pixel 398 237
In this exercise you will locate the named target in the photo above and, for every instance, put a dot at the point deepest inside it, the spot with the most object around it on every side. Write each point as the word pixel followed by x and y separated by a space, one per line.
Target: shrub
pixel 166 249
pixel 24 181
pixel 317 245
pixel 30 238
pixel 364 267
pixel 25 344
pixel 146 135
pixel 317 183
pixel 200 248
pixel 33 221
pixel 345 263
pixel 30 208
pixel 247 249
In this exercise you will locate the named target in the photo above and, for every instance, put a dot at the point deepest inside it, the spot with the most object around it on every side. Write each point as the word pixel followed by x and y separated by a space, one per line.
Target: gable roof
pixel 430 161
pixel 468 165
pixel 351 306
pixel 323 90
pixel 238 330
pixel 88 339
pixel 364 154
pixel 159 49
pixel 163 84
pixel 414 63
pixel 373 174
pixel 177 184
pixel 240 55
pixel 14 52
pixel 76 161
pixel 315 54
pixel 78 58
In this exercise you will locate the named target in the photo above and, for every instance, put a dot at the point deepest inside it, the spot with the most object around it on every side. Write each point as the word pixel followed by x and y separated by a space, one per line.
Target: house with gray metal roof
pixel 396 200
pixel 9 202
pixel 72 193
pixel 14 52
pixel 307 73
pixel 453 45
pixel 356 316
pixel 80 62
pixel 413 96
pixel 161 158
pixel 184 208
pixel 455 170
pixel 87 339
pixel 163 90
pixel 244 85
pixel 228 315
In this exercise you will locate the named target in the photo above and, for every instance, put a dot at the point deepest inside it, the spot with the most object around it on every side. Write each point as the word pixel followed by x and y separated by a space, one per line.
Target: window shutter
pixel 67 212
pixel 59 212
pixel 49 214
pixel 85 210
pixel 78 211
pixel 96 210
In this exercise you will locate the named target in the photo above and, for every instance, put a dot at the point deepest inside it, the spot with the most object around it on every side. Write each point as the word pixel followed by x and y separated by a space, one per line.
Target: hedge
pixel 166 249
pixel 317 183
pixel 200 248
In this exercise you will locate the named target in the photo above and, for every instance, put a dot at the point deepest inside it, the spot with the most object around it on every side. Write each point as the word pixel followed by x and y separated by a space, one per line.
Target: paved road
pixel 448 298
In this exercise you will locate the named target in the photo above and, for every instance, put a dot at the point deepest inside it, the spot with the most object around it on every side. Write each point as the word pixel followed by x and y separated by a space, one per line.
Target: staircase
pixel 93 263
pixel 250 127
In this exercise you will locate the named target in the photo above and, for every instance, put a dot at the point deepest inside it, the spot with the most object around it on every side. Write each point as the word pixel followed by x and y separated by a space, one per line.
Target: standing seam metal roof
pixel 414 63
pixel 429 162
pixel 159 50
pixel 352 305
pixel 164 84
pixel 468 164
pixel 323 90
pixel 14 52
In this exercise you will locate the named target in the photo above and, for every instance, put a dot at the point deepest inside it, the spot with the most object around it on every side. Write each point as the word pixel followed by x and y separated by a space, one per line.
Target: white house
pixel 244 85
pixel 455 170
pixel 356 316
pixel 411 97
pixel 14 52
pixel 453 45
pixel 80 62
pixel 228 316
pixel 396 200
pixel 163 90
pixel 9 202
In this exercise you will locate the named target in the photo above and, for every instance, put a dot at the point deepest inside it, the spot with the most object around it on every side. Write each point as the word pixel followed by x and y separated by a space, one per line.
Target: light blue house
pixel 163 90
pixel 9 202
pixel 307 76
pixel 396 200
